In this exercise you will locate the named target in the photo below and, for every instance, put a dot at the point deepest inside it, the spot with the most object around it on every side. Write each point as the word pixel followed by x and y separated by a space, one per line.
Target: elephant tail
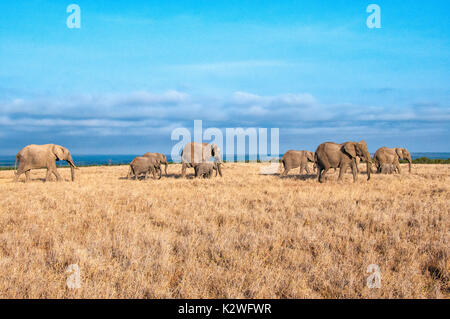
pixel 15 164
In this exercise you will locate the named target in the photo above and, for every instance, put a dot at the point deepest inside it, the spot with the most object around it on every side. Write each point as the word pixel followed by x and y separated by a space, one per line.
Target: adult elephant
pixel 161 157
pixel 390 156
pixel 332 155
pixel 43 156
pixel 194 153
pixel 293 159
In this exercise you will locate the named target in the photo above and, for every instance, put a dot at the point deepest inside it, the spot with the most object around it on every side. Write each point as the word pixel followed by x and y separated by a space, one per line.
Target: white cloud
pixel 137 112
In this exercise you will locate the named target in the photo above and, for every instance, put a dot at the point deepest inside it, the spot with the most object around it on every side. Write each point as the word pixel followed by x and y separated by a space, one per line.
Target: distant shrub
pixel 426 160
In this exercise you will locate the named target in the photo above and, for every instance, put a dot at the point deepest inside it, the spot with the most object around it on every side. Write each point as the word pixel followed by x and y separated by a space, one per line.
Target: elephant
pixel 332 155
pixel 293 159
pixel 386 155
pixel 205 169
pixel 387 168
pixel 161 157
pixel 194 153
pixel 144 165
pixel 43 156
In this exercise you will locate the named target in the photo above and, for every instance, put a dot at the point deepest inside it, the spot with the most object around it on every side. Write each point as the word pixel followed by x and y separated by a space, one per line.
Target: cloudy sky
pixel 135 71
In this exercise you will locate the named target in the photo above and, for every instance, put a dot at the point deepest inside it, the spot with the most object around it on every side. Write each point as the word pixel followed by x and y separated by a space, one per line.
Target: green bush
pixel 426 160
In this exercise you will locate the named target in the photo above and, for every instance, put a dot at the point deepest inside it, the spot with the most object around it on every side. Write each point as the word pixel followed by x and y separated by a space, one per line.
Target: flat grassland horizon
pixel 245 235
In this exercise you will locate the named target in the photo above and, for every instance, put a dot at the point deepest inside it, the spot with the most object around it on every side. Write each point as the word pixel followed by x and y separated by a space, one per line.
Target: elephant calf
pixel 205 169
pixel 293 159
pixel 161 157
pixel 144 165
pixel 387 168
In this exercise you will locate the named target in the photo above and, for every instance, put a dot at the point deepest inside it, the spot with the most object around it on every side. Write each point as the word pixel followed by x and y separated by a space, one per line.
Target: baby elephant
pixel 144 165
pixel 387 168
pixel 205 169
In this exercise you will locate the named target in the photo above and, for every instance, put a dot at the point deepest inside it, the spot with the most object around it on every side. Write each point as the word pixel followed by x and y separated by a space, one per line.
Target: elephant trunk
pixel 219 169
pixel 72 167
pixel 409 163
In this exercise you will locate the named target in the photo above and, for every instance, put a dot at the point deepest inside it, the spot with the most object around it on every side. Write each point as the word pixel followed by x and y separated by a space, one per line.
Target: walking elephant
pixel 161 157
pixel 386 155
pixel 293 159
pixel 332 155
pixel 43 156
pixel 387 168
pixel 205 170
pixel 194 153
pixel 144 165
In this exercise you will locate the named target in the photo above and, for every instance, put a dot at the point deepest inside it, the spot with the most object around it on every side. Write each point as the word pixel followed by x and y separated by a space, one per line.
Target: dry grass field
pixel 245 235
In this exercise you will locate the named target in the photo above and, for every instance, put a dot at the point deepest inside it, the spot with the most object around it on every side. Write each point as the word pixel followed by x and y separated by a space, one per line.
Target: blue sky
pixel 138 69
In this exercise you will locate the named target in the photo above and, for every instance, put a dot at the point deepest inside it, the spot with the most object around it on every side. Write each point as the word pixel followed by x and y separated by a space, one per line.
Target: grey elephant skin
pixel 385 155
pixel 332 155
pixel 205 170
pixel 43 156
pixel 161 157
pixel 387 168
pixel 195 153
pixel 293 159
pixel 143 166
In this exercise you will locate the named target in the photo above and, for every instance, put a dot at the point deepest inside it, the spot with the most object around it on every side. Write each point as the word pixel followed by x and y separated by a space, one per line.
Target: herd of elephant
pixel 197 156
pixel 349 154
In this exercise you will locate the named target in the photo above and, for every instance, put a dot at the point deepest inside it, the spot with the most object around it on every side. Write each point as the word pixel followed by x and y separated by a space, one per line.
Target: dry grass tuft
pixel 241 236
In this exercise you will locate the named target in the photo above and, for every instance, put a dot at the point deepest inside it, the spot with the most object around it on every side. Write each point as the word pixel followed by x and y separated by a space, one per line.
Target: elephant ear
pixel 399 152
pixel 350 148
pixel 215 152
pixel 58 151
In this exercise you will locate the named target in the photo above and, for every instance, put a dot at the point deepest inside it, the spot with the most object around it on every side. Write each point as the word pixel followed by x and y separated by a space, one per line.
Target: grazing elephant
pixel 43 156
pixel 161 157
pixel 194 153
pixel 144 165
pixel 293 159
pixel 331 155
pixel 386 155
pixel 205 169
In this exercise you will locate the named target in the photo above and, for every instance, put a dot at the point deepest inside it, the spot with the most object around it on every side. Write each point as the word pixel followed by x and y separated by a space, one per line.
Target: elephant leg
pixel 354 167
pixel 342 170
pixel 286 171
pixel 302 168
pixel 165 169
pixel 58 177
pixel 49 173
pixel 183 170
pixel 307 169
pixel 397 166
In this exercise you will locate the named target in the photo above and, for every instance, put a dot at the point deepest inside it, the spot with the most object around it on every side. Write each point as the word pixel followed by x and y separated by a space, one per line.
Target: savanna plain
pixel 245 235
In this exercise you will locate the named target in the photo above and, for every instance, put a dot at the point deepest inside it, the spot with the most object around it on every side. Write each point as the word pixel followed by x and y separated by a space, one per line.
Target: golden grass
pixel 245 235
